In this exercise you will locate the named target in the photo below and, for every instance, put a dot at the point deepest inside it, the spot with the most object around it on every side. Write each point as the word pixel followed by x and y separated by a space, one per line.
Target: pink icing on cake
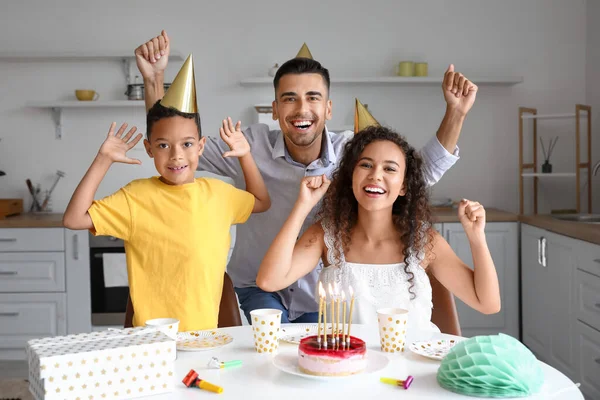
pixel 315 360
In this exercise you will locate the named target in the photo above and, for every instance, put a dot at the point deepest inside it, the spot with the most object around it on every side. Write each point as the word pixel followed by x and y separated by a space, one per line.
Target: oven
pixel 109 299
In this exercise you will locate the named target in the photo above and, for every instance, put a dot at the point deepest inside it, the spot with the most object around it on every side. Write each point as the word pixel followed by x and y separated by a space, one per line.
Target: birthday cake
pixel 315 359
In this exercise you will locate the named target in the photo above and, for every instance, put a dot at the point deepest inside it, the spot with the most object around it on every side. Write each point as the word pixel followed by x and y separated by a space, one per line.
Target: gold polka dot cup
pixel 266 329
pixel 168 326
pixel 392 329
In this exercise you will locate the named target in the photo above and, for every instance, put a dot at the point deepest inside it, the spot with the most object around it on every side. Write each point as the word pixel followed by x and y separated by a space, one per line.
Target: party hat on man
pixel 182 93
pixel 362 118
pixel 304 52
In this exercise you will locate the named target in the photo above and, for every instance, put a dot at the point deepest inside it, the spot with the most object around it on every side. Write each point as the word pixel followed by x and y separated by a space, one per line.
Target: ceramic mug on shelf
pixel 406 68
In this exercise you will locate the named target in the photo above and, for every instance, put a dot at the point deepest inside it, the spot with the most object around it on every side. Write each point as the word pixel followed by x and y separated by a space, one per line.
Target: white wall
pixel 592 77
pixel 543 41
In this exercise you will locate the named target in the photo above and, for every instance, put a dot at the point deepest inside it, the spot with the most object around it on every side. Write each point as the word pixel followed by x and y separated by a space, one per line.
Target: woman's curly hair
pixel 410 213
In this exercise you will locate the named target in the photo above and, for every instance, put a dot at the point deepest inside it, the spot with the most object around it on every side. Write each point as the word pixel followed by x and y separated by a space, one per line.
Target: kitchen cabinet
pixel 44 286
pixel 502 239
pixel 548 291
pixel 561 304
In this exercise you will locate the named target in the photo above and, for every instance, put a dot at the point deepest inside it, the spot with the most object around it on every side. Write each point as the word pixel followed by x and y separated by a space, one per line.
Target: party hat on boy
pixel 182 93
pixel 304 52
pixel 362 118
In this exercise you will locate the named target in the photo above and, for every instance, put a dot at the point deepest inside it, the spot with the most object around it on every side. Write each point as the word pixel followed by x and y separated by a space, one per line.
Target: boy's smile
pixel 175 147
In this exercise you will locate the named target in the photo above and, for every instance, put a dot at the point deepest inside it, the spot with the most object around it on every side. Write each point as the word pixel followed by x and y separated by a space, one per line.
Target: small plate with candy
pixel 201 340
pixel 434 349
pixel 294 333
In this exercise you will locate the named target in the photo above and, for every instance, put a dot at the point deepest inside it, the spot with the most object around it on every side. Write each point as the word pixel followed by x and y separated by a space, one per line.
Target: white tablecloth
pixel 258 378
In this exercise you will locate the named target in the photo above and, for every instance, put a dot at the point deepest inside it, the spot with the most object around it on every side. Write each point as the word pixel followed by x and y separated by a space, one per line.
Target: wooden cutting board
pixel 10 207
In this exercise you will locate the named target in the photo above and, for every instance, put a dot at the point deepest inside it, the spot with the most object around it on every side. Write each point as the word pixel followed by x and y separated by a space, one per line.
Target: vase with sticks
pixel 546 166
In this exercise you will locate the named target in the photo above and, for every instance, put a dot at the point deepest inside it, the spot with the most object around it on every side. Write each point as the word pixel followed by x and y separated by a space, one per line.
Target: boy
pixel 175 226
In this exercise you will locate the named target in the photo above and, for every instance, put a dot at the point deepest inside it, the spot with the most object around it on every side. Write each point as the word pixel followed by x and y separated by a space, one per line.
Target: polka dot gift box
pixel 116 364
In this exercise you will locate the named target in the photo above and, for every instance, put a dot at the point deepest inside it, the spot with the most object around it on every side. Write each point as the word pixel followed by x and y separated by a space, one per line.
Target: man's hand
pixel 116 146
pixel 152 57
pixel 459 92
pixel 235 139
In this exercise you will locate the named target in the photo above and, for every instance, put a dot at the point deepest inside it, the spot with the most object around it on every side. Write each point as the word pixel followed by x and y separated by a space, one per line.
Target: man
pixel 303 147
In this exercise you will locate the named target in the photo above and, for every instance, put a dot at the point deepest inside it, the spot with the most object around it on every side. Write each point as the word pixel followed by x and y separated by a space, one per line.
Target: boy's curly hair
pixel 411 213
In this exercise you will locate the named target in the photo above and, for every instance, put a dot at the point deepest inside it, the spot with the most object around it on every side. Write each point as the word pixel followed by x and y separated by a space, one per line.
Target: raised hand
pixel 459 92
pixel 116 145
pixel 312 189
pixel 472 217
pixel 152 57
pixel 235 139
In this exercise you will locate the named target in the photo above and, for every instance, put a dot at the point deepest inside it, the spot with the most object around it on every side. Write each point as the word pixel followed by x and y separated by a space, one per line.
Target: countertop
pixel 28 220
pixel 576 230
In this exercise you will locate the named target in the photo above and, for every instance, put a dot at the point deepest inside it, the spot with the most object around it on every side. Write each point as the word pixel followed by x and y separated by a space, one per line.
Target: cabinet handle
pixel 544 247
pixel 8 239
pixel 539 251
pixel 8 272
pixel 75 247
pixel 9 314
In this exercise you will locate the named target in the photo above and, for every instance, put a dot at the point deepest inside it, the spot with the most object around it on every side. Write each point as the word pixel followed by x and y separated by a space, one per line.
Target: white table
pixel 258 378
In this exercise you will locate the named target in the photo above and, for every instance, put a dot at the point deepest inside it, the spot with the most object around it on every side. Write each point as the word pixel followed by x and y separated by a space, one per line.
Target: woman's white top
pixel 379 286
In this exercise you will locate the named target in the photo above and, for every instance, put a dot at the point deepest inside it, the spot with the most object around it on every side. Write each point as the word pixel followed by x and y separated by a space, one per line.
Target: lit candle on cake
pixel 343 319
pixel 321 290
pixel 350 317
pixel 332 316
pixel 337 321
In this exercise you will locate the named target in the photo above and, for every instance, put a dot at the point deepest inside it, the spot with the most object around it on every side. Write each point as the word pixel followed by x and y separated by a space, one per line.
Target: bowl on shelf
pixel 86 95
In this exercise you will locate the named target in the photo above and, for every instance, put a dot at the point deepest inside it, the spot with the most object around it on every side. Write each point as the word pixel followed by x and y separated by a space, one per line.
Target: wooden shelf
pixel 581 111
pixel 551 116
pixel 56 107
pixel 549 175
pixel 395 80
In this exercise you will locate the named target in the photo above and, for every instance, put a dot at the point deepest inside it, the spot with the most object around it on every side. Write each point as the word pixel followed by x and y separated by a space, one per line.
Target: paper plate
pixel 289 363
pixel 201 340
pixel 295 333
pixel 434 349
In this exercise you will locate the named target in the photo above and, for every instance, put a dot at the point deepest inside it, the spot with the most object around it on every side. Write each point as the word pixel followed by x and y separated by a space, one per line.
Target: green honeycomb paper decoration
pixel 491 366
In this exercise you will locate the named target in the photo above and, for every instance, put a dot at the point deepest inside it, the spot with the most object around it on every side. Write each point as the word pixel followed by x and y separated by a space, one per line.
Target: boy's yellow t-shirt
pixel 176 242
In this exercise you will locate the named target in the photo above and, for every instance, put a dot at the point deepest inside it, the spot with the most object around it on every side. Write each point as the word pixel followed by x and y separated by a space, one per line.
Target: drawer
pixel 589 257
pixel 588 298
pixel 32 272
pixel 26 316
pixel 588 347
pixel 32 239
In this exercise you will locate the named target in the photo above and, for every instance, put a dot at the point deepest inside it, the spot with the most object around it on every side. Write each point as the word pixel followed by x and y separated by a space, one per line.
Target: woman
pixel 375 235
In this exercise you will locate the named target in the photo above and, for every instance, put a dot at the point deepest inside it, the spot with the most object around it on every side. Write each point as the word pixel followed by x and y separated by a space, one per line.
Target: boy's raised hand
pixel 312 189
pixel 235 139
pixel 116 145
